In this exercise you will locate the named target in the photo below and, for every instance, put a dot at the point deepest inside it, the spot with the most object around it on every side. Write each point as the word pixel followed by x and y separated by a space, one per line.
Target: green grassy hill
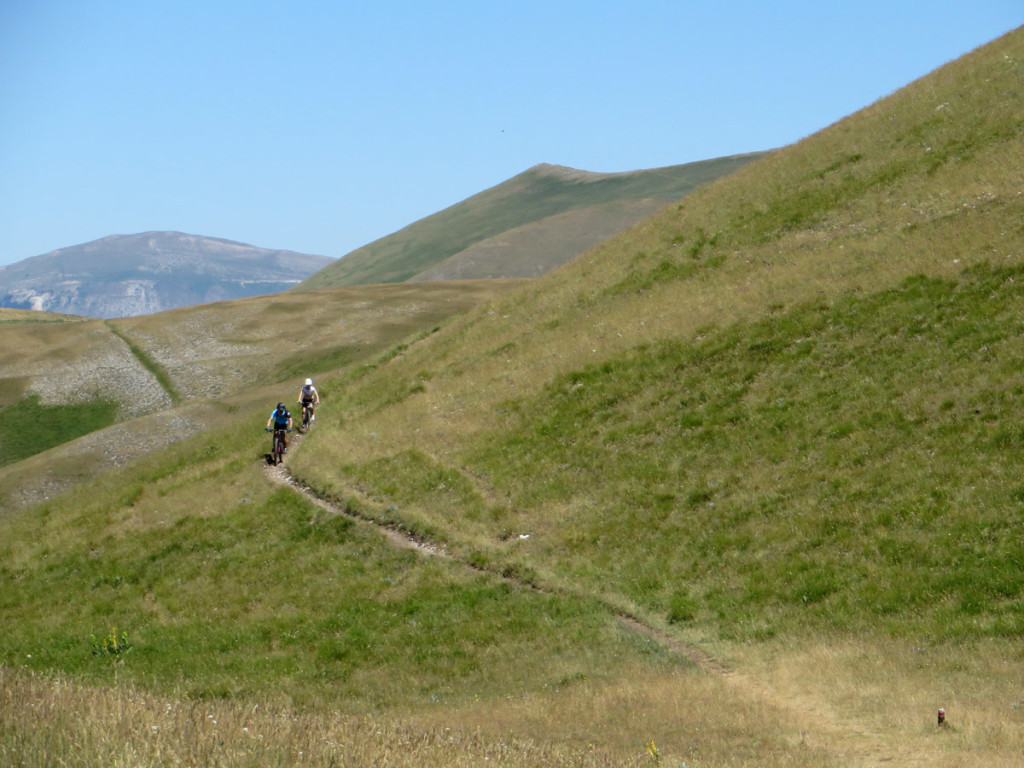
pixel 540 219
pixel 739 486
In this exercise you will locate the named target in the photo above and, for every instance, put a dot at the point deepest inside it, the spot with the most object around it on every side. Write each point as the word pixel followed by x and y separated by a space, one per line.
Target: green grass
pixel 29 427
pixel 215 579
pixel 306 362
pixel 818 456
pixel 830 468
pixel 787 406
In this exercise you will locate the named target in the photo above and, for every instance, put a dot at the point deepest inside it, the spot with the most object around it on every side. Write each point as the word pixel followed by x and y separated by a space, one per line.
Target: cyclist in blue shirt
pixel 282 420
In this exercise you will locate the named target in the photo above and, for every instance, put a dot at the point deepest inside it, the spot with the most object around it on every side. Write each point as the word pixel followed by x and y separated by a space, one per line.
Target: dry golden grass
pixel 691 718
pixel 876 694
pixel 8 315
pixel 73 361
pixel 222 348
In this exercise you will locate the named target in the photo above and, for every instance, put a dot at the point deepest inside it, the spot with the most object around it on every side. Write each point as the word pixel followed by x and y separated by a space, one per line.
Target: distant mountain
pixel 523 227
pixel 125 275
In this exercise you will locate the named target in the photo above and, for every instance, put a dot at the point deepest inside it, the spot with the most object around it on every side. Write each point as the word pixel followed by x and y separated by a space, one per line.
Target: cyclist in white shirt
pixel 309 398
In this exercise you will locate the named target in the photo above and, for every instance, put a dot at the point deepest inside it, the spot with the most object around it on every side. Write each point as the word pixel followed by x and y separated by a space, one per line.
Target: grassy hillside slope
pixel 537 247
pixel 217 349
pixel 8 315
pixel 802 351
pixel 785 410
pixel 776 427
pixel 154 379
pixel 532 197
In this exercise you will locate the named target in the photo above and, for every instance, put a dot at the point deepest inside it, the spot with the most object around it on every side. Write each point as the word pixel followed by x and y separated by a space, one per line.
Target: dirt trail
pixel 847 740
pixel 281 476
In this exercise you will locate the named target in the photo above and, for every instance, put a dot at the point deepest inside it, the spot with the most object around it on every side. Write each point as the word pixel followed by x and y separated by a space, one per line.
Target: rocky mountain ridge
pixel 127 275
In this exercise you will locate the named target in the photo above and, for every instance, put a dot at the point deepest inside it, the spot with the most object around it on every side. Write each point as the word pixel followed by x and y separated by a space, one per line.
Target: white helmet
pixel 309 382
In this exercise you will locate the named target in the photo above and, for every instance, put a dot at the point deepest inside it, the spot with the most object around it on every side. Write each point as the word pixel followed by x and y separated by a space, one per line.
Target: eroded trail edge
pixel 847 741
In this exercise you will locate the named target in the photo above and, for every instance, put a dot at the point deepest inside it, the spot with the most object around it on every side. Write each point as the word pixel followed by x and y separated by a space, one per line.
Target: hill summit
pixel 126 275
pixel 525 226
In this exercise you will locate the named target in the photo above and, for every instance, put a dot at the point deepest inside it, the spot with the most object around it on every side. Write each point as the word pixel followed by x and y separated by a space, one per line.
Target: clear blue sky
pixel 322 126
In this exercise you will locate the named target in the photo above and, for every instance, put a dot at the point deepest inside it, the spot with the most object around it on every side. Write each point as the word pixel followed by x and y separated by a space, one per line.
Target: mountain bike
pixel 307 416
pixel 277 446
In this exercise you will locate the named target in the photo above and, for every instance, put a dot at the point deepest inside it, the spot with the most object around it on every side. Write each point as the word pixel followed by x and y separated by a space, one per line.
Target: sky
pixel 320 127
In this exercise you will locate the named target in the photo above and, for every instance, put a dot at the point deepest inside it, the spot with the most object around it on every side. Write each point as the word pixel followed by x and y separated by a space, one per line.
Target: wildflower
pixel 652 750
